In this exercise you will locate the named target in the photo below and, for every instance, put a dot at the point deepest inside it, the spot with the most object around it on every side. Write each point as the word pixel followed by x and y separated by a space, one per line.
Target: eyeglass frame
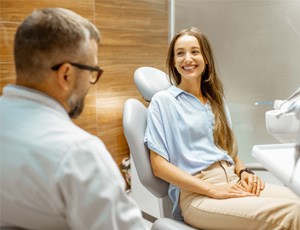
pixel 83 67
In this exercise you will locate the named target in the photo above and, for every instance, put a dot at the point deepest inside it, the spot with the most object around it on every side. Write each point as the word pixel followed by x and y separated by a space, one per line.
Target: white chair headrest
pixel 150 80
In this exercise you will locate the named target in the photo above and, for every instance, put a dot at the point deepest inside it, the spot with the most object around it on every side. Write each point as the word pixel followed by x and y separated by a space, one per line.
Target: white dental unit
pixel 282 160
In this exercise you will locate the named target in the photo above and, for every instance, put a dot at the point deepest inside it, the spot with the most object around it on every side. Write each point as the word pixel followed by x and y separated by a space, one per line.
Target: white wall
pixel 257 48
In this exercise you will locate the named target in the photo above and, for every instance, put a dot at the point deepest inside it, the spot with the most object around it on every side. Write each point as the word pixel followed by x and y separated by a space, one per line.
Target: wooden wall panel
pixel 133 14
pixel 134 32
pixel 17 10
pixel 7 71
pixel 7 31
pixel 7 74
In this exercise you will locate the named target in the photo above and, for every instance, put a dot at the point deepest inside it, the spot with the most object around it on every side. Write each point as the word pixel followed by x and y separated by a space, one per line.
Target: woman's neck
pixel 194 89
pixel 191 87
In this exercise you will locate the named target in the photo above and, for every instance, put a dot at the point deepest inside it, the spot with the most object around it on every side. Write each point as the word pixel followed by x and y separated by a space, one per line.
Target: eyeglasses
pixel 96 71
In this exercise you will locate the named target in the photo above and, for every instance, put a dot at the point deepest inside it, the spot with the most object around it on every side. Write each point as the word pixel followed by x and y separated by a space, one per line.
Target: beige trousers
pixel 276 208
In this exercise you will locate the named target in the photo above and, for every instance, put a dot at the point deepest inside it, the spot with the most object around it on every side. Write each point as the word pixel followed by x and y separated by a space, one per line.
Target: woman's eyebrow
pixel 193 47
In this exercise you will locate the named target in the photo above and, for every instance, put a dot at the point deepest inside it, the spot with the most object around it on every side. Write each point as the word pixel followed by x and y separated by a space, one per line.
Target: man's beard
pixel 76 109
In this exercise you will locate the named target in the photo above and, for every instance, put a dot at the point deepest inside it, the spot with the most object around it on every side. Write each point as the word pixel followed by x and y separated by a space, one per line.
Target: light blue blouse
pixel 180 129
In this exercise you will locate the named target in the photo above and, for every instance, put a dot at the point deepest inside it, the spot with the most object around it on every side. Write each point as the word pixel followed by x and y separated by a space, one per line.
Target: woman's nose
pixel 188 57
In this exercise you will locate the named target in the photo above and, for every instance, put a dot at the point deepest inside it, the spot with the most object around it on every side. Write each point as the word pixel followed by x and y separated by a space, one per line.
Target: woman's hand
pixel 252 183
pixel 228 191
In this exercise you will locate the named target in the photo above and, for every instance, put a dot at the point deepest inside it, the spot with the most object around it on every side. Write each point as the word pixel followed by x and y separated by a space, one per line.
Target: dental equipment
pixel 263 103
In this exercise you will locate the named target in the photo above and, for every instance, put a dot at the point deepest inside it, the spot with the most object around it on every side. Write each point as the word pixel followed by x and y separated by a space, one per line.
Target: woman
pixel 193 148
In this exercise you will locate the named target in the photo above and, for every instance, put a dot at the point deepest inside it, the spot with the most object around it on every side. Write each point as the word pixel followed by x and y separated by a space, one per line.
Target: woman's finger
pixel 240 189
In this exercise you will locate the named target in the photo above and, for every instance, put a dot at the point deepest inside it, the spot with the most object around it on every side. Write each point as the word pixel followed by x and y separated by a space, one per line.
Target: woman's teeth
pixel 188 67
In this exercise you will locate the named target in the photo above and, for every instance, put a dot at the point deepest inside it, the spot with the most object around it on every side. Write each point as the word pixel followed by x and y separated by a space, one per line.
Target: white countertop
pixel 279 159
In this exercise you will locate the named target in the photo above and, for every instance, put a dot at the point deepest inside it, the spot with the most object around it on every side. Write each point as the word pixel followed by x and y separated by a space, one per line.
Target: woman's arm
pixel 239 165
pixel 174 175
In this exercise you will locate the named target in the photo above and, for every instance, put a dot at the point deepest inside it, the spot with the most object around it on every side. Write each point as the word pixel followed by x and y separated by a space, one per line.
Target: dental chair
pixel 150 80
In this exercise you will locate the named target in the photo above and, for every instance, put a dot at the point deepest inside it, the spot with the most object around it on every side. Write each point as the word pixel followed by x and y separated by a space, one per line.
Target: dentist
pixel 55 175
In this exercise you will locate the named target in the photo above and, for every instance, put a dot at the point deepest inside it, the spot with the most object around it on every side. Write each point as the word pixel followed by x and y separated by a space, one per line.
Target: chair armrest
pixel 256 166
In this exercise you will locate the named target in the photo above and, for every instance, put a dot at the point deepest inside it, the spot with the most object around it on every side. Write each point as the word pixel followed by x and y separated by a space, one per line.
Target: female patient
pixel 193 148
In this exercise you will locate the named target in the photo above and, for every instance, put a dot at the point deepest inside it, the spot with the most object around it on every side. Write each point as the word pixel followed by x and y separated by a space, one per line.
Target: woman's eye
pixel 196 51
pixel 179 53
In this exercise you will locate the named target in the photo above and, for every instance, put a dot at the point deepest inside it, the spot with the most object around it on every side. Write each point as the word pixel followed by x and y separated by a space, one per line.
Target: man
pixel 54 175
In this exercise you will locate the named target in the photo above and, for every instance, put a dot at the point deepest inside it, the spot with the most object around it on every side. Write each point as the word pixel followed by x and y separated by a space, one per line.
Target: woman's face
pixel 188 59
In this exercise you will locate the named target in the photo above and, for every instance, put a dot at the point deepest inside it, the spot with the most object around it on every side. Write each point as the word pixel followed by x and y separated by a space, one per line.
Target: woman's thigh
pixel 276 208
pixel 277 191
pixel 240 213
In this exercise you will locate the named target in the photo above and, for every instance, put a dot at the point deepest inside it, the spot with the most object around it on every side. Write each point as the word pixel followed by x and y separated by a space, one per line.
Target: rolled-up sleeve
pixel 155 137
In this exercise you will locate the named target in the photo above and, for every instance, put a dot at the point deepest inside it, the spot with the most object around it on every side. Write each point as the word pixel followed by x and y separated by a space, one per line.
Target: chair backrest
pixel 148 81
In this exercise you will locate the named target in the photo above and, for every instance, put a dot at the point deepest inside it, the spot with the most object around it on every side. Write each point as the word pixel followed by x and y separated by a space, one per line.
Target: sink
pixel 283 127
pixel 283 160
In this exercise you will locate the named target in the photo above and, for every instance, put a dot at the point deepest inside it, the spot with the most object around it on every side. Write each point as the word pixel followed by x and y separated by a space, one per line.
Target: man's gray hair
pixel 48 37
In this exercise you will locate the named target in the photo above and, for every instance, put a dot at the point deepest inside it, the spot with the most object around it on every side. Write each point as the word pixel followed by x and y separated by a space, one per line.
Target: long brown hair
pixel 211 88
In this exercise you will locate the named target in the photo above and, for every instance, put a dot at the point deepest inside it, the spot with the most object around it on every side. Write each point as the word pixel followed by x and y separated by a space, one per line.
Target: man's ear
pixel 64 76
